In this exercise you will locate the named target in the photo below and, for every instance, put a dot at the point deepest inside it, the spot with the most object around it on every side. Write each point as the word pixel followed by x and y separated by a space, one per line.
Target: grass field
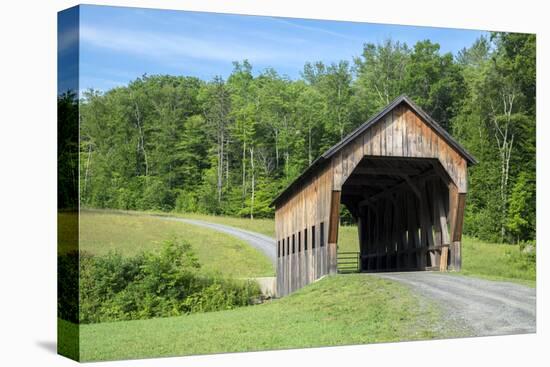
pixel 129 234
pixel 348 238
pixel 496 262
pixel 336 310
pixel 483 259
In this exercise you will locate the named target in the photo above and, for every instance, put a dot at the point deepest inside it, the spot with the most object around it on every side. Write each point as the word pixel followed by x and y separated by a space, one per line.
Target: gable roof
pixel 325 157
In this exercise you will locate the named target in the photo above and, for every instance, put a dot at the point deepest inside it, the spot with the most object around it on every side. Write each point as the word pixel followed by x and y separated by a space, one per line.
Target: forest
pixel 228 146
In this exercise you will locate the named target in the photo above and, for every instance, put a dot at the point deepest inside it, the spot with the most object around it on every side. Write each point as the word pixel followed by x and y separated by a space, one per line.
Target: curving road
pixel 263 243
pixel 477 306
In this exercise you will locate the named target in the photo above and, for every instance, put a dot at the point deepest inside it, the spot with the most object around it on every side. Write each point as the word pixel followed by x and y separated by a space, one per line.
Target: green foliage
pixel 496 123
pixel 227 147
pixel 187 202
pixel 521 216
pixel 114 287
pixel 510 262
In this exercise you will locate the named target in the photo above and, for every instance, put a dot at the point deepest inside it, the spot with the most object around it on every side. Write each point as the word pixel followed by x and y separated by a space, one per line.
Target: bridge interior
pixel 401 206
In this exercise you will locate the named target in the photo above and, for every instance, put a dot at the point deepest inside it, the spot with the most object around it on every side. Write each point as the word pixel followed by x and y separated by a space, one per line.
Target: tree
pixel 172 142
pixel 381 72
pixel 244 103
pixel 217 106
pixel 434 81
pixel 496 124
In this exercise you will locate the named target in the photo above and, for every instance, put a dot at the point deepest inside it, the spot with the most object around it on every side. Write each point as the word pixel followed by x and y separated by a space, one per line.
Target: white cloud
pixel 170 47
pixel 317 29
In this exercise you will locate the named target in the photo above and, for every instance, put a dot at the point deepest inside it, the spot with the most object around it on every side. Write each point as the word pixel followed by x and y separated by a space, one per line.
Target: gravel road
pixel 263 243
pixel 478 306
pixel 481 306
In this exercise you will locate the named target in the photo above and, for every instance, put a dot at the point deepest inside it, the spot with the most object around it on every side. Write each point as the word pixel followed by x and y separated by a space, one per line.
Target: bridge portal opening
pixel 401 207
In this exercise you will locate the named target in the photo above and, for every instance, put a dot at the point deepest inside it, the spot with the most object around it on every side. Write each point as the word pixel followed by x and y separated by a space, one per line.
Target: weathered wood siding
pixel 308 210
pixel 400 133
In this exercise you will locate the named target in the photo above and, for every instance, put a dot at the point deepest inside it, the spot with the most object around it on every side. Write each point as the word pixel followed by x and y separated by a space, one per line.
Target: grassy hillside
pixel 336 310
pixel 101 232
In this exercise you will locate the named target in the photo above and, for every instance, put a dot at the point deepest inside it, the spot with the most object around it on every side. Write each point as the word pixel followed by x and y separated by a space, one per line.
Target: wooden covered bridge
pixel 404 180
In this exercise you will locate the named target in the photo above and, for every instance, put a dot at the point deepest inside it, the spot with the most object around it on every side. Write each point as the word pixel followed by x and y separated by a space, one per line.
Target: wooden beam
pixel 426 225
pixel 412 185
pixel 365 188
pixel 404 176
pixel 358 181
pixel 457 202
pixel 441 172
pixel 420 178
pixel 445 237
pixel 334 223
pixel 371 171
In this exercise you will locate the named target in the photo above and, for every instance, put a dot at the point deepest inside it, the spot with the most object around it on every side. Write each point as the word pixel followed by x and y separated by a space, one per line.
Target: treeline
pixel 229 146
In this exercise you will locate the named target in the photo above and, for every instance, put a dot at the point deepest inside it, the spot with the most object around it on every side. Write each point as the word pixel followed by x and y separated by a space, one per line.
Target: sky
pixel 119 44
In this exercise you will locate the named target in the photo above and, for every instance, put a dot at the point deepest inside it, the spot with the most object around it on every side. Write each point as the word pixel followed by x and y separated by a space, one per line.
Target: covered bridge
pixel 404 180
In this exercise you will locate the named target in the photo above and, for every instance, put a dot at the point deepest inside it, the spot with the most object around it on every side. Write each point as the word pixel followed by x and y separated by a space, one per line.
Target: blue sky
pixel 118 44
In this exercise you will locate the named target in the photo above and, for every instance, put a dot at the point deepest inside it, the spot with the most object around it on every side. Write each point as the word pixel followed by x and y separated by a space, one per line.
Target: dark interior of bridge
pixel 401 206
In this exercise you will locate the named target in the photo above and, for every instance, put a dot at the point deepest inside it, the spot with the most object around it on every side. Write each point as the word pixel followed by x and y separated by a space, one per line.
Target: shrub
pixel 168 283
pixel 222 294
pixel 186 202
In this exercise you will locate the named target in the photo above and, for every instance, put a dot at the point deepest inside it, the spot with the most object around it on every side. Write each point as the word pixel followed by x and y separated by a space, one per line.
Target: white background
pixel 28 182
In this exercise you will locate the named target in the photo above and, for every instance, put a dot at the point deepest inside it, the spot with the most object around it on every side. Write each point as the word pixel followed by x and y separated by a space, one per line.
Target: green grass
pixel 348 240
pixel 68 339
pixel 496 262
pixel 263 226
pixel 482 259
pixel 102 231
pixel 337 310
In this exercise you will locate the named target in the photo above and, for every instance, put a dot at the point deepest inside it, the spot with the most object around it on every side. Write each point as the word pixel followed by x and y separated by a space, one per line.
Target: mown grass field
pixel 483 259
pixel 336 310
pixel 129 234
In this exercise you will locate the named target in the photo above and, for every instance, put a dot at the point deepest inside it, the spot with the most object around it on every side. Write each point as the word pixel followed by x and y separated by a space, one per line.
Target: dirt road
pixel 483 307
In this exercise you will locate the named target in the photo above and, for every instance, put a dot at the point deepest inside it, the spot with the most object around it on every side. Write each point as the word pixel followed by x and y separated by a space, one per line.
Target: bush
pixel 523 259
pixel 186 202
pixel 168 283
pixel 222 294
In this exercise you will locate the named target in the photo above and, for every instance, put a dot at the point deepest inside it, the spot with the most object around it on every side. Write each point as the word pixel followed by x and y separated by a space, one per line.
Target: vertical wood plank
pixel 334 223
